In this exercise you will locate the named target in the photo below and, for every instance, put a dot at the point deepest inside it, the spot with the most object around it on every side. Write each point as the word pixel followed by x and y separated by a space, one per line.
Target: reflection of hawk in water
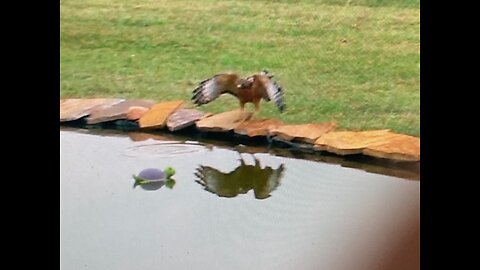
pixel 241 180
pixel 251 89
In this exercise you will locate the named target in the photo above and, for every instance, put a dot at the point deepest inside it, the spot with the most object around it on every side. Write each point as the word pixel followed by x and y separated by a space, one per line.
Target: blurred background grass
pixel 356 63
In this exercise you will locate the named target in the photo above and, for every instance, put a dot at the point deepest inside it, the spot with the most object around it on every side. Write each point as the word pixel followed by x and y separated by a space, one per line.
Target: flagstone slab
pixel 136 112
pixel 73 109
pixel 303 132
pixel 257 127
pixel 117 111
pixel 377 143
pixel 351 142
pixel 158 114
pixel 223 122
pixel 183 118
pixel 401 147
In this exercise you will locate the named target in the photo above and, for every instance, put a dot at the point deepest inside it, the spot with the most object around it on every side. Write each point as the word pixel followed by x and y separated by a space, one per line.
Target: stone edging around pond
pixel 148 115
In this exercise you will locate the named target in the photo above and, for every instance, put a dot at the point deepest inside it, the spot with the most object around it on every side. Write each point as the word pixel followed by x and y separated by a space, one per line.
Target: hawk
pixel 247 90
pixel 244 178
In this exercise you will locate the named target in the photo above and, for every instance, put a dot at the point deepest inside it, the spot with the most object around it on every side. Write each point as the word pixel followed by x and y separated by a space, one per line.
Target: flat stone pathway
pixel 173 116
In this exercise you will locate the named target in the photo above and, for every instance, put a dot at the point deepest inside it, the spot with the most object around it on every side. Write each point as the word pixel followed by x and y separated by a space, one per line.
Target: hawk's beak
pixel 239 85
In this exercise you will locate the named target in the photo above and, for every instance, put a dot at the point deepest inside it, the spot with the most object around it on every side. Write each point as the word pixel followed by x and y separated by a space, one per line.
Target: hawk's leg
pixel 242 106
pixel 257 107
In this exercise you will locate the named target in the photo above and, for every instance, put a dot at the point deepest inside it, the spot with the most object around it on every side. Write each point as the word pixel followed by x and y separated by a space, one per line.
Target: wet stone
pixel 73 109
pixel 157 116
pixel 292 145
pixel 223 122
pixel 183 118
pixel 117 111
pixel 124 124
pixel 304 132
pixel 257 127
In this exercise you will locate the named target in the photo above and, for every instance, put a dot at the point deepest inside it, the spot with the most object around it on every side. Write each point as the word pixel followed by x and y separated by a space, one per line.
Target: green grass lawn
pixel 356 63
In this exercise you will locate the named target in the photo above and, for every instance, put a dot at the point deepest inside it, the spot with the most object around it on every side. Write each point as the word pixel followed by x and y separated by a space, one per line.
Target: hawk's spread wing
pixel 212 88
pixel 272 90
pixel 209 178
pixel 223 184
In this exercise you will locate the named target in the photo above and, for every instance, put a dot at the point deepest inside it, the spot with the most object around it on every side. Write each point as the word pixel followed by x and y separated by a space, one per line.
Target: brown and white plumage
pixel 249 90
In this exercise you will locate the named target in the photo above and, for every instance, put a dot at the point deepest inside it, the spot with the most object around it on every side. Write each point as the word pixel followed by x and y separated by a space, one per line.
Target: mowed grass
pixel 356 63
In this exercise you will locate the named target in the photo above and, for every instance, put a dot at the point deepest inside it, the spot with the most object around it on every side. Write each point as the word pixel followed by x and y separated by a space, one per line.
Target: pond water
pixel 227 209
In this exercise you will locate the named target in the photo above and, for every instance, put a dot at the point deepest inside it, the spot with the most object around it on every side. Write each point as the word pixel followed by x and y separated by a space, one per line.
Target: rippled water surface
pixel 227 210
